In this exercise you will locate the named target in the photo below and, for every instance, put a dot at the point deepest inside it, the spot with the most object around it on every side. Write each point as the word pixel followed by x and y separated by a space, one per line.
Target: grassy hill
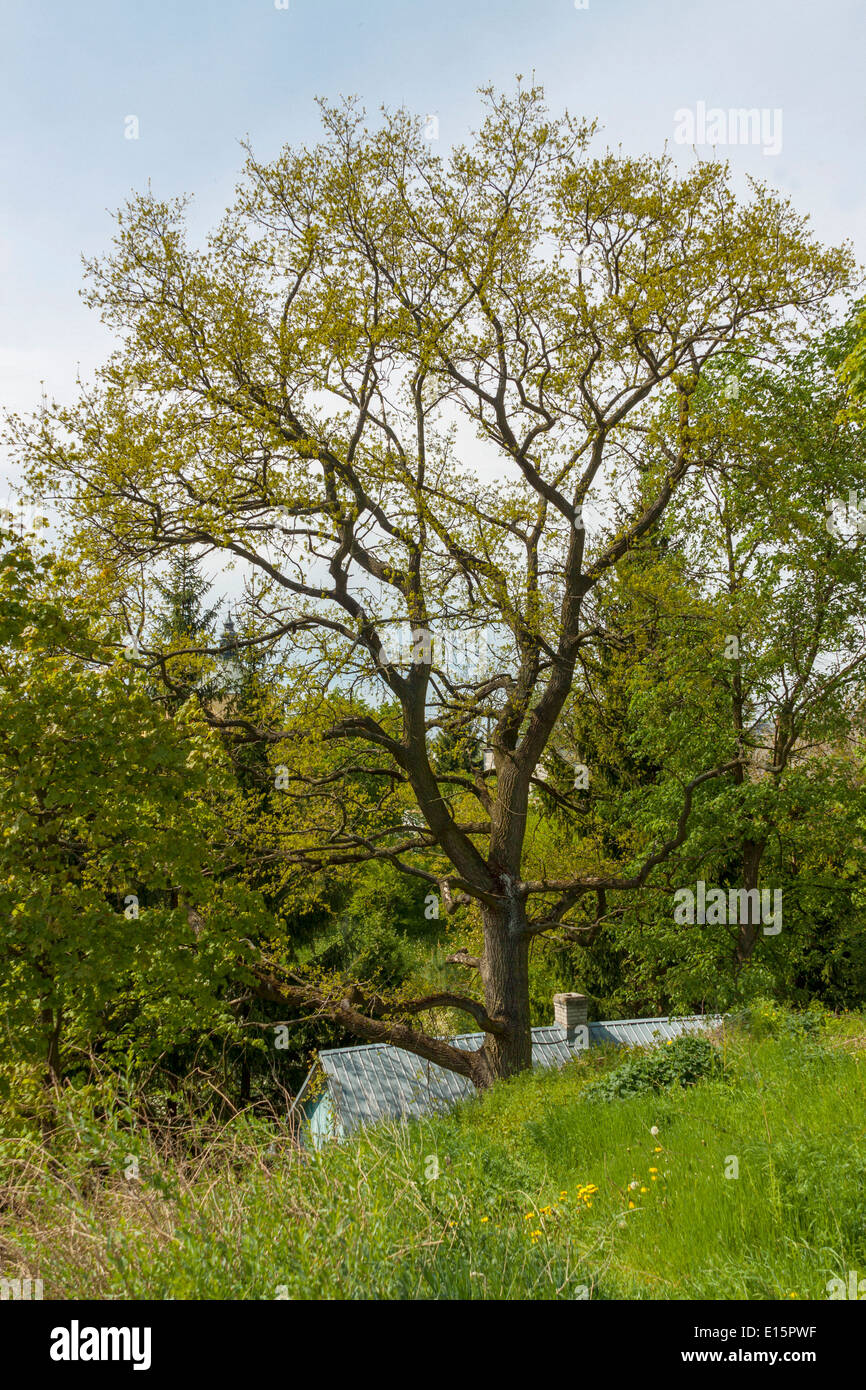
pixel 609 1180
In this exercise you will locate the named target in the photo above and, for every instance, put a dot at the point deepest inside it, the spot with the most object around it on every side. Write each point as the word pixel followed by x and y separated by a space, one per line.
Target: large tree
pixel 432 401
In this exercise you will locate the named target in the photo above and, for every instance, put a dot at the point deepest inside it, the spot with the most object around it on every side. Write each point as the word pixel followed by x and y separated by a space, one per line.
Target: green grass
pixel 489 1202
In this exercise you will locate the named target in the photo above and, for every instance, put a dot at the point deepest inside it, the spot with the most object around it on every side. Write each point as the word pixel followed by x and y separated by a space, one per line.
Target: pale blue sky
pixel 200 74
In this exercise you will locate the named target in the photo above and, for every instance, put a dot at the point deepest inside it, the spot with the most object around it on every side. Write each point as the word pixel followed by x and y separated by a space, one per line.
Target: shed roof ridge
pixel 539 1028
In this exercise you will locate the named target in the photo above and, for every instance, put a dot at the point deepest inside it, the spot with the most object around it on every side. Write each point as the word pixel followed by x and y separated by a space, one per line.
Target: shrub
pixel 682 1062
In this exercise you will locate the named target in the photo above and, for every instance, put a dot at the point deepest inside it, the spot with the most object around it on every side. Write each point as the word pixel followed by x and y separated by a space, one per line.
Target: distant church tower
pixel 229 657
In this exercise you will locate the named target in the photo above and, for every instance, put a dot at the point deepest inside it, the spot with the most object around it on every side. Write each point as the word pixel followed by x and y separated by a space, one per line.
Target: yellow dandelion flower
pixel 631 1206
pixel 485 1218
pixel 644 1189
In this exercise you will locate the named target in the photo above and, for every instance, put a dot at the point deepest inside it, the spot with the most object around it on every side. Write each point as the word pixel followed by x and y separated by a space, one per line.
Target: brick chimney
pixel 570 1011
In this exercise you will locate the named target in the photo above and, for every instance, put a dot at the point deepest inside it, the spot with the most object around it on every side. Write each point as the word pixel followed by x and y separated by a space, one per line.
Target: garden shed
pixel 348 1087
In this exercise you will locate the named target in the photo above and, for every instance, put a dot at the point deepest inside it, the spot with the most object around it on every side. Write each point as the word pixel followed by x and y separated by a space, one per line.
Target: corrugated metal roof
pixel 643 1032
pixel 377 1081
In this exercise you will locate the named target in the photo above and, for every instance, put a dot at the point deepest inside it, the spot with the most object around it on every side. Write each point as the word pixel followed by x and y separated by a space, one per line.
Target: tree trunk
pixel 747 935
pixel 505 976
pixel 53 1023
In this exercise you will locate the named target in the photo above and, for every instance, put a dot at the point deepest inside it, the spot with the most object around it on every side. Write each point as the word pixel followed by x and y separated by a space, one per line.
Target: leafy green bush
pixel 682 1062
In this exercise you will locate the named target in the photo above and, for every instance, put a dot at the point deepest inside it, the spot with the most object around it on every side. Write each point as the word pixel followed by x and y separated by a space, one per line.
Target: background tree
pixel 114 926
pixel 789 584
pixel 854 367
pixel 747 634
pixel 183 623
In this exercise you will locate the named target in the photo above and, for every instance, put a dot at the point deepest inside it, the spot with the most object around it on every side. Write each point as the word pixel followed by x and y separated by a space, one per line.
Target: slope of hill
pixel 662 1175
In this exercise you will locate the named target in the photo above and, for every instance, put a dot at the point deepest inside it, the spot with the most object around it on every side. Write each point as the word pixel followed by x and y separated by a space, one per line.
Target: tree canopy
pixel 435 405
